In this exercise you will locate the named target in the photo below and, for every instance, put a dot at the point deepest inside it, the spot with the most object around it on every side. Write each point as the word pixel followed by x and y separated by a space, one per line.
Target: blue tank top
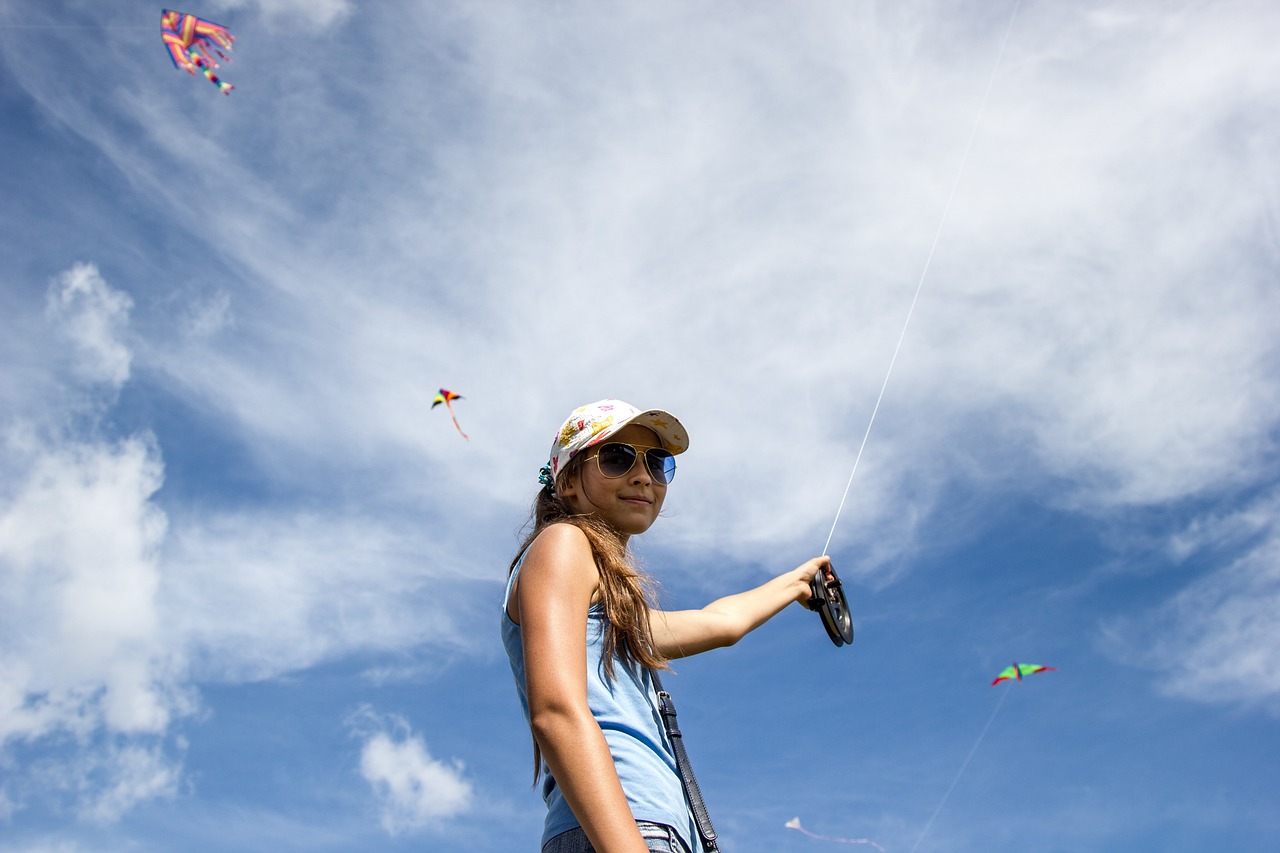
pixel 626 709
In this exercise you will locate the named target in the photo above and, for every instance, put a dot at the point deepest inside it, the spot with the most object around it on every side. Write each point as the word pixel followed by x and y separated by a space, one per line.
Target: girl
pixel 583 637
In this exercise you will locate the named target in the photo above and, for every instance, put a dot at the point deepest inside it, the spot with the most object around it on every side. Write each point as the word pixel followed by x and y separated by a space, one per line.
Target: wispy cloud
pixel 91 316
pixel 309 15
pixel 1218 639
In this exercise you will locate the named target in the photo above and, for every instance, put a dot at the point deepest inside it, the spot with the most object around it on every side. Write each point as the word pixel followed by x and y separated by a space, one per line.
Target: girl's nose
pixel 639 472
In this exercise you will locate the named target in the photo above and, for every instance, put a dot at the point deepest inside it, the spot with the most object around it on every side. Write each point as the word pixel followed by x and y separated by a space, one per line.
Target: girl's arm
pixel 553 594
pixel 681 633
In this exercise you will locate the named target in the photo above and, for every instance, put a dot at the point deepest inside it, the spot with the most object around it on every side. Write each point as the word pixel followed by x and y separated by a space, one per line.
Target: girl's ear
pixel 567 488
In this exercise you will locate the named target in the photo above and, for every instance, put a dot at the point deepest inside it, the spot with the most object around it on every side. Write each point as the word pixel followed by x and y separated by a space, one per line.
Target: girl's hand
pixel 806 572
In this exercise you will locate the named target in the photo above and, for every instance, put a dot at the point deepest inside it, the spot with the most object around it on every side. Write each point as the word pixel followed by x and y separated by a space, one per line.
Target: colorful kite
pixel 794 823
pixel 190 39
pixel 1018 670
pixel 447 397
pixel 1010 673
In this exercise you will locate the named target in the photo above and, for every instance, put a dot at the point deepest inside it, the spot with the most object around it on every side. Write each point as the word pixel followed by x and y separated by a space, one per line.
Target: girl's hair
pixel 626 592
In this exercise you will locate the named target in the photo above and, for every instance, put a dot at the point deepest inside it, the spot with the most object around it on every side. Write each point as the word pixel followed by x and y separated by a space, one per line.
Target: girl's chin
pixel 632 526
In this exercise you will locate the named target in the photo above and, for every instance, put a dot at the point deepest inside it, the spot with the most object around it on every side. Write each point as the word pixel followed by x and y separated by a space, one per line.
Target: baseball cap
pixel 594 423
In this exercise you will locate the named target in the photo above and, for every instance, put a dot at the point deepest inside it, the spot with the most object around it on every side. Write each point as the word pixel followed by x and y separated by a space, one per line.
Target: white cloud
pixel 92 316
pixel 86 665
pixel 82 652
pixel 264 593
pixel 1226 527
pixel 115 779
pixel 211 316
pixel 45 845
pixel 315 15
pixel 413 789
pixel 1218 639
pixel 78 540
pixel 7 806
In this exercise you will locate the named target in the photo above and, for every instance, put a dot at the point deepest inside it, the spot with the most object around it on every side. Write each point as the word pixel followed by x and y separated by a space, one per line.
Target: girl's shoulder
pixel 558 563
pixel 559 547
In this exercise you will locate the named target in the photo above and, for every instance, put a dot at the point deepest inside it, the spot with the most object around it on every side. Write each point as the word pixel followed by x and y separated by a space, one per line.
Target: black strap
pixel 668 711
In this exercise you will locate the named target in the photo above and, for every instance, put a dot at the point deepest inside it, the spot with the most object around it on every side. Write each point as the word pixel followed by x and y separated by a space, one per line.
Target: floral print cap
pixel 593 423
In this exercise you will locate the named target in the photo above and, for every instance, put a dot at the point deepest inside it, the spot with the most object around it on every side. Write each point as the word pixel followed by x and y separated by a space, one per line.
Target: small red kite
pixel 447 397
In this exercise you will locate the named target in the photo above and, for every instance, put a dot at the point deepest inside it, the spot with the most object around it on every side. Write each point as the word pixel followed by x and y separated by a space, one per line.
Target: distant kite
pixel 447 397
pixel 190 39
pixel 1015 672
pixel 1010 673
pixel 794 823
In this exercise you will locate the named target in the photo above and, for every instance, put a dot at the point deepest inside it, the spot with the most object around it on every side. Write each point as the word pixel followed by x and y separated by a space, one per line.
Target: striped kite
pixel 190 40
pixel 447 397
pixel 1015 672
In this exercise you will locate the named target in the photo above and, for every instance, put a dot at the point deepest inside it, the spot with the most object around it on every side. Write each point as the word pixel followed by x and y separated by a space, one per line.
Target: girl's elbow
pixel 552 722
pixel 730 638
pixel 721 627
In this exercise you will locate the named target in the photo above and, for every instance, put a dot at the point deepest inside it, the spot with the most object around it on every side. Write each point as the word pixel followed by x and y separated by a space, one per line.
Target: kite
pixel 447 397
pixel 794 823
pixel 1010 673
pixel 190 39
pixel 1015 672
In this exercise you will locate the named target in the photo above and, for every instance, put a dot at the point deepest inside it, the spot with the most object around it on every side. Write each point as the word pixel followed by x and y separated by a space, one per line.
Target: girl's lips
pixel 637 500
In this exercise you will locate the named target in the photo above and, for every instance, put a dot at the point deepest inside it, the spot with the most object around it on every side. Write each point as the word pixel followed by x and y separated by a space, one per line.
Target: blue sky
pixel 249 581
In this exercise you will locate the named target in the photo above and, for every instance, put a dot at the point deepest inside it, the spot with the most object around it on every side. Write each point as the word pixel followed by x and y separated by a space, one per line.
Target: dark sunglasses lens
pixel 616 459
pixel 662 465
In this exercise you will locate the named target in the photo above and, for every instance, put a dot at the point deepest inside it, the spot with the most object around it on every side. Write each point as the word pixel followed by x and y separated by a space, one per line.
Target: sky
pixel 250 581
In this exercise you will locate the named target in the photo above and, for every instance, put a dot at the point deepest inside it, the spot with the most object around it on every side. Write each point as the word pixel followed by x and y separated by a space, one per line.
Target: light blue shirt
pixel 627 710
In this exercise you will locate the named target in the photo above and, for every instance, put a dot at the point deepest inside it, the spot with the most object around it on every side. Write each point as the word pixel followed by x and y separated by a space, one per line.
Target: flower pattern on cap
pixel 593 423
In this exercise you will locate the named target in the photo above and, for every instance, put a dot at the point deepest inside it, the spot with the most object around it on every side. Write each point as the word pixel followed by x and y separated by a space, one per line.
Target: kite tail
pixel 206 67
pixel 223 87
pixel 794 823
pixel 207 48
pixel 456 425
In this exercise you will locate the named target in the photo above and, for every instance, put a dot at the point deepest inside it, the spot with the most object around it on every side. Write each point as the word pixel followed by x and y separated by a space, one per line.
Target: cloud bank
pixel 722 215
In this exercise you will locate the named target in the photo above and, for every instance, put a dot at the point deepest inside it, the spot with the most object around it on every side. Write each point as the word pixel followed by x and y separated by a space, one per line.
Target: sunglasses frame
pixel 640 450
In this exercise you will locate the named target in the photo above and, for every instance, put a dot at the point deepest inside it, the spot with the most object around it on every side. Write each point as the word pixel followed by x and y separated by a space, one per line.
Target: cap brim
pixel 669 430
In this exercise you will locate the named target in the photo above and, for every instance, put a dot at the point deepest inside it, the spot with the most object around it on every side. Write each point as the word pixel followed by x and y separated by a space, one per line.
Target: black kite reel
pixel 826 596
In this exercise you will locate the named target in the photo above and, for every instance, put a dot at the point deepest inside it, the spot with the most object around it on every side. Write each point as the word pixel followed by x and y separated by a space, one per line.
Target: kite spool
pixel 827 598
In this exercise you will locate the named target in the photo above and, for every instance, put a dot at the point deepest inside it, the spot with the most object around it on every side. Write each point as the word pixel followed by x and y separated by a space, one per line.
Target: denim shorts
pixel 658 837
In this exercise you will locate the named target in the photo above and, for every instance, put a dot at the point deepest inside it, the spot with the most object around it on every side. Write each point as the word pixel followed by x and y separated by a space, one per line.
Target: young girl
pixel 583 637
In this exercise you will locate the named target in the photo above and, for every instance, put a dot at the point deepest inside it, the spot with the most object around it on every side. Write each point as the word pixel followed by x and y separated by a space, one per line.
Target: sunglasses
pixel 616 459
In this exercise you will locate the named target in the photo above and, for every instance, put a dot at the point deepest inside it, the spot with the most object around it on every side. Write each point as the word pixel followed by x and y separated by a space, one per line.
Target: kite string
pixel 977 743
pixel 924 272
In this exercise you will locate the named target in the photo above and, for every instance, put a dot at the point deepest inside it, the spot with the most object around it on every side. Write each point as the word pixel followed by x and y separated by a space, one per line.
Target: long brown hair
pixel 626 592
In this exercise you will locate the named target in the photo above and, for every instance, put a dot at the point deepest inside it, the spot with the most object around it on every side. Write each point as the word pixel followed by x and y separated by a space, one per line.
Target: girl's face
pixel 631 502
